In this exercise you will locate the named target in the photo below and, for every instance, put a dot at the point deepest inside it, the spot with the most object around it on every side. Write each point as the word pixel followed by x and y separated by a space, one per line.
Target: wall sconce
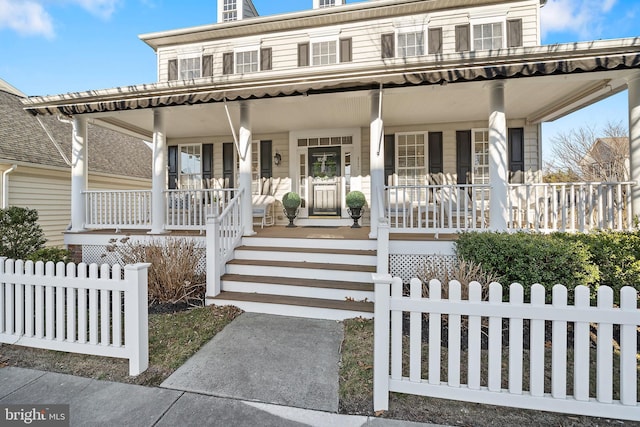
pixel 277 158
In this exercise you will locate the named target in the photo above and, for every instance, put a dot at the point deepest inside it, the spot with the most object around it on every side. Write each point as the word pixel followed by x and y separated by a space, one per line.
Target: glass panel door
pixel 325 184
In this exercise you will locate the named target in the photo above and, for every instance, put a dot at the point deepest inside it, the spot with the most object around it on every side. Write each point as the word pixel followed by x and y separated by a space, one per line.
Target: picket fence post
pixel 382 284
pixel 136 317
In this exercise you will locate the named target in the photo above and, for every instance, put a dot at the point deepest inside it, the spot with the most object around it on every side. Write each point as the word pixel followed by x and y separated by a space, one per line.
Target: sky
pixel 50 47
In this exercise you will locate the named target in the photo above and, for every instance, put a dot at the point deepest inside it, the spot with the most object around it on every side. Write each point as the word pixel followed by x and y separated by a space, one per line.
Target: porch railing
pixel 437 208
pixel 573 207
pixel 189 209
pixel 118 209
pixel 224 233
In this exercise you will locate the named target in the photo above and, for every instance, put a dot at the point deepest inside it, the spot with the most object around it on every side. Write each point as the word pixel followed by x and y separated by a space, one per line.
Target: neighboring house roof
pixel 24 139
pixel 607 149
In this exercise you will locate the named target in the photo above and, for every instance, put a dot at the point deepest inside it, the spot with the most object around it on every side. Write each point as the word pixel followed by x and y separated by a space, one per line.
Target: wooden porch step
pixel 282 300
pixel 294 281
pixel 304 265
pixel 335 251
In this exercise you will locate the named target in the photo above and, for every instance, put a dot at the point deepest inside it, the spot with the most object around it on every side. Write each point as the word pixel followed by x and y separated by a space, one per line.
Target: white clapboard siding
pixel 390 305
pixel 76 308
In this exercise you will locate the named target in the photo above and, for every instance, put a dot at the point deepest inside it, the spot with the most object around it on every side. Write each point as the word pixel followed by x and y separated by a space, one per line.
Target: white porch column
pixel 79 173
pixel 159 174
pixel 634 140
pixel 244 176
pixel 498 161
pixel 376 158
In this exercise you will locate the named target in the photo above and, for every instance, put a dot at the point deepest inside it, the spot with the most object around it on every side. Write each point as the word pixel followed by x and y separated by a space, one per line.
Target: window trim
pixel 425 144
pixel 411 30
pixel 180 174
pixel 187 56
pixel 245 49
pixel 324 39
pixel 473 155
pixel 473 22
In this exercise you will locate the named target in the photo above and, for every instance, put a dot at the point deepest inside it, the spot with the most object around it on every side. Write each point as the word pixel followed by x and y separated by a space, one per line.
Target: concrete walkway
pixel 260 370
pixel 272 359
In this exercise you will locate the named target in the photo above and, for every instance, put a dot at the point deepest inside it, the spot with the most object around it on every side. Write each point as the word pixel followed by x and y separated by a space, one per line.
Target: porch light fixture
pixel 277 158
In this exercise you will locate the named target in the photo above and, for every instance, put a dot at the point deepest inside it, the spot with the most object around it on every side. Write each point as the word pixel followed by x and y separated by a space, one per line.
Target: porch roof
pixel 598 69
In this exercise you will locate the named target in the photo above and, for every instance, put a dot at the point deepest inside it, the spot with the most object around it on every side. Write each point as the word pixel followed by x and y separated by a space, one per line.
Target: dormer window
pixel 229 11
pixel 319 4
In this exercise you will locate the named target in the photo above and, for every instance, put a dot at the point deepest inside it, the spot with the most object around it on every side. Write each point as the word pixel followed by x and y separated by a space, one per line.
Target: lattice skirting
pixel 406 266
pixel 98 254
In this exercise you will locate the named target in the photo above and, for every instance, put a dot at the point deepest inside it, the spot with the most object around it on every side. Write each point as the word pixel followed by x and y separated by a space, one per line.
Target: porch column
pixel 159 177
pixel 79 173
pixel 498 214
pixel 244 176
pixel 633 85
pixel 376 158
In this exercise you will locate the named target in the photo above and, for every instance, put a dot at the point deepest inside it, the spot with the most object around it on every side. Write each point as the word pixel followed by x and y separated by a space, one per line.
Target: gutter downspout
pixel 5 186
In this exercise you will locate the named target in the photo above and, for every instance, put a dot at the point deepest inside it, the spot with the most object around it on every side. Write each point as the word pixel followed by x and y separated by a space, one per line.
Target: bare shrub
pixel 462 270
pixel 173 275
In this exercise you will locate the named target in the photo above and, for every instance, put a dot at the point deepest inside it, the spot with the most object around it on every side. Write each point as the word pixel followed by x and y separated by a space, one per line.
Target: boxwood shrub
pixel 529 258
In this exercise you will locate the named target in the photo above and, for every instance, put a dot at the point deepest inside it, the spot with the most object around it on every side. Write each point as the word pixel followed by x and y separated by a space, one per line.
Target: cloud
pixel 102 8
pixel 26 17
pixel 585 18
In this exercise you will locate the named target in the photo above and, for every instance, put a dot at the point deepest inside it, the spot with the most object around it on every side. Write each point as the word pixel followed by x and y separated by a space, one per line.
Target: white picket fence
pixel 76 308
pixel 391 375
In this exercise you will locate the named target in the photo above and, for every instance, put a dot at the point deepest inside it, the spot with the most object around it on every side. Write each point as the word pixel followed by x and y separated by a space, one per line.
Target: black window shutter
pixel 266 170
pixel 172 153
pixel 435 40
pixel 228 165
pixel 173 69
pixel 207 161
pixel 265 59
pixel 514 32
pixel 303 54
pixel 388 45
pixel 463 38
pixel 389 157
pixel 345 50
pixel 516 155
pixel 463 156
pixel 436 164
pixel 207 66
pixel 227 63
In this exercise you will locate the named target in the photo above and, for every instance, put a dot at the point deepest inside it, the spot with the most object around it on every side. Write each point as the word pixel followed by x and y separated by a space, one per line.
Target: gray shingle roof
pixel 23 139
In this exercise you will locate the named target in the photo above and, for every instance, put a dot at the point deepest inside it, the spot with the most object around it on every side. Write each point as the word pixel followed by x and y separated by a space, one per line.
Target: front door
pixel 324 183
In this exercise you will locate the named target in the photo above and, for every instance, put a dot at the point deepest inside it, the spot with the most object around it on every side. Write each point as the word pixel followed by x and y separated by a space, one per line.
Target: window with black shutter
pixel 303 54
pixel 388 45
pixel 463 38
pixel 435 157
pixel 434 41
pixel 389 158
pixel 207 162
pixel 463 156
pixel 227 63
pixel 228 163
pixel 514 32
pixel 172 69
pixel 265 59
pixel 207 66
pixel 516 155
pixel 172 167
pixel 345 50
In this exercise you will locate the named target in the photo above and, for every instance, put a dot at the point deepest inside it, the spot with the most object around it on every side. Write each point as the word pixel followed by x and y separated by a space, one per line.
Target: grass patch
pixel 173 338
pixel 356 390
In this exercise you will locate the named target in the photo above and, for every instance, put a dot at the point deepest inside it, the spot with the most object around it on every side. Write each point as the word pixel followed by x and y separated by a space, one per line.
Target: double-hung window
pixel 327 3
pixel 410 44
pixel 190 166
pixel 190 67
pixel 488 36
pixel 410 158
pixel 247 61
pixel 480 141
pixel 324 52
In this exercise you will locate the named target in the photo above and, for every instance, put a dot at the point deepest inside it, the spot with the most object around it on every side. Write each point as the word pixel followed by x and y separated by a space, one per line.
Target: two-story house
pixel 432 108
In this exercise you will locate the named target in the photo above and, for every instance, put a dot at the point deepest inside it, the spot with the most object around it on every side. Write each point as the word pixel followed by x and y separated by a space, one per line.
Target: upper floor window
pixel 487 36
pixel 327 3
pixel 323 53
pixel 247 61
pixel 190 68
pixel 411 44
pixel 229 11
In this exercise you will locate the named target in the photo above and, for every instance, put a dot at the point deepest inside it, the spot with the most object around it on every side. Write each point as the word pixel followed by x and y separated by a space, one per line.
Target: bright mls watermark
pixel 34 415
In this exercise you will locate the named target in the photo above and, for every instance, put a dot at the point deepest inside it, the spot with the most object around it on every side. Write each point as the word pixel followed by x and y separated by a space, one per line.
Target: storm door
pixel 324 181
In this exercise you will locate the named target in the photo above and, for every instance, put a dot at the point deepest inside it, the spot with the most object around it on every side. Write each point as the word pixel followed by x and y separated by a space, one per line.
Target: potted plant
pixel 291 203
pixel 355 206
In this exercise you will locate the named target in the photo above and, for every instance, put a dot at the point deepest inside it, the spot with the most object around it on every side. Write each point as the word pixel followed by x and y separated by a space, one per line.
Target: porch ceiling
pixel 536 99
